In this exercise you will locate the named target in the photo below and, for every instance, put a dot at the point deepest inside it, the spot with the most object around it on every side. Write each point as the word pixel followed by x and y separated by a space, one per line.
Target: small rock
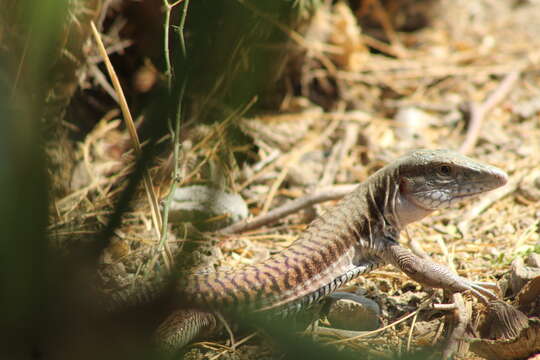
pixel 530 186
pixel 207 207
pixel 354 312
pixel 411 122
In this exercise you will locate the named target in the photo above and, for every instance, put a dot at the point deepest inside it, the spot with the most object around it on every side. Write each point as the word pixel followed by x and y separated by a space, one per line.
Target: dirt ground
pixel 364 89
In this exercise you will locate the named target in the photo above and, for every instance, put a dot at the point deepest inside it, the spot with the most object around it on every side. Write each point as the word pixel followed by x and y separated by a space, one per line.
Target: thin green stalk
pixel 166 52
pixel 181 27
pixel 175 134
pixel 176 154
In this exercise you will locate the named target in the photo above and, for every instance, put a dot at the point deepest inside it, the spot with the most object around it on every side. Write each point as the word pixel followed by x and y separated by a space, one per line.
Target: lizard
pixel 360 233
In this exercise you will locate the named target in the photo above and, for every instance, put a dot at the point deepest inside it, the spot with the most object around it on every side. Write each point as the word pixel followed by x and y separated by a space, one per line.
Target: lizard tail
pixel 185 325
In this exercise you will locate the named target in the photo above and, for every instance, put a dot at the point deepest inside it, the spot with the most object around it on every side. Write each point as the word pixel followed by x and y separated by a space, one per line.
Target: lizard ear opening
pixel 404 185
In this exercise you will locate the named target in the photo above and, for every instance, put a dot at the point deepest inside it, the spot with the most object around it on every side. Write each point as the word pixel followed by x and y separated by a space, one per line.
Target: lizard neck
pixel 388 203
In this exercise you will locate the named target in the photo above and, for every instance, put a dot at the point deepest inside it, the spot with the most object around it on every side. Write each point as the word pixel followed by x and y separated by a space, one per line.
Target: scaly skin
pixel 359 233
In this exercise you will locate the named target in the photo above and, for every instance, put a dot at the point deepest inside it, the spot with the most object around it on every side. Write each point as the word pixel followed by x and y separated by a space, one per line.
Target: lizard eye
pixel 445 170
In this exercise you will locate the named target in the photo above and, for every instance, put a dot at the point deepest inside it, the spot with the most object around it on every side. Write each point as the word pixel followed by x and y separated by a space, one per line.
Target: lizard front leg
pixel 432 274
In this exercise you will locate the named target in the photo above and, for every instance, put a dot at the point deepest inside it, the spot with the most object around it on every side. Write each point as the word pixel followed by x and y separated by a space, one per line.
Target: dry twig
pixel 479 111
pixel 334 193
pixel 462 315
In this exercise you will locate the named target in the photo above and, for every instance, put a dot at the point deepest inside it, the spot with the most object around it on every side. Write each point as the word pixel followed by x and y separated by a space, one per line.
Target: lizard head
pixel 436 179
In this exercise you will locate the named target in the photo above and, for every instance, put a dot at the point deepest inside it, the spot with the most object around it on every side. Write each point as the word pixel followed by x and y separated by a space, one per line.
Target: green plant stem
pixel 175 134
pixel 181 27
pixel 175 175
pixel 166 52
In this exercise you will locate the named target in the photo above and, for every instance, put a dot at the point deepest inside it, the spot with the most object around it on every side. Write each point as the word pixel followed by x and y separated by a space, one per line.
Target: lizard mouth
pixel 473 189
pixel 434 200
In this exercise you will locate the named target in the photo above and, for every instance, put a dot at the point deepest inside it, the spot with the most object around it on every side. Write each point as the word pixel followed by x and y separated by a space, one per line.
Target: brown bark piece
pixel 510 332
pixel 528 298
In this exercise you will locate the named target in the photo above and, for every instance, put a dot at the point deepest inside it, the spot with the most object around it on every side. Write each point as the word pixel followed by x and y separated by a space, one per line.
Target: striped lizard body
pixel 359 233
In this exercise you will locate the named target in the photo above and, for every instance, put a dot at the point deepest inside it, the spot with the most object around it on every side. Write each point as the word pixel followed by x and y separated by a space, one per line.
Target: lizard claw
pixel 482 292
pixel 488 285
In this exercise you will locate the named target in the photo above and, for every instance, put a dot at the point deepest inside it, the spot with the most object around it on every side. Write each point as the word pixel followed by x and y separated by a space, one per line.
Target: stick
pixel 479 111
pixel 333 193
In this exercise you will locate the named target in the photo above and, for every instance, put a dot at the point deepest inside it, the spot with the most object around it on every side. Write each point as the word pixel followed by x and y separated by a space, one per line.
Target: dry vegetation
pixel 360 87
